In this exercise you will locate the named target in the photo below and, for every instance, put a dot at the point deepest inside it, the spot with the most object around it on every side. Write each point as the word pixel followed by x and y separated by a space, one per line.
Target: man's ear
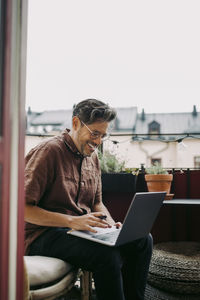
pixel 76 123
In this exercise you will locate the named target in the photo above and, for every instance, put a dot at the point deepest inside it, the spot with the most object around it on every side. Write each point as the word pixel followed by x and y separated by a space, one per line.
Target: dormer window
pixel 154 128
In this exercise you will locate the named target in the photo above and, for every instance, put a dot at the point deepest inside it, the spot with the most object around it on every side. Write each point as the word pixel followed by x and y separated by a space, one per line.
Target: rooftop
pixel 127 120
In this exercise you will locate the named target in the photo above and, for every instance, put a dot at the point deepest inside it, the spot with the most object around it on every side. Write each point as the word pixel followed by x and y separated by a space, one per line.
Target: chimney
pixel 194 112
pixel 143 115
pixel 29 110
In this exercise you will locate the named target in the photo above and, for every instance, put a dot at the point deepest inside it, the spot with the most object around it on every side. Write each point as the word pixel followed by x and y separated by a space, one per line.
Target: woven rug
pixel 152 293
pixel 175 267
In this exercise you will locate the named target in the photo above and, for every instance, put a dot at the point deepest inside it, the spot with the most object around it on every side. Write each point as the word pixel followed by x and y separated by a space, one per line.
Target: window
pixel 48 128
pixel 32 129
pixel 154 127
pixel 39 129
pixel 197 162
pixel 156 160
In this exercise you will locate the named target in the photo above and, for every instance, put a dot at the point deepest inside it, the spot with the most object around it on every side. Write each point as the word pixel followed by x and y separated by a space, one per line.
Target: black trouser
pixel 119 273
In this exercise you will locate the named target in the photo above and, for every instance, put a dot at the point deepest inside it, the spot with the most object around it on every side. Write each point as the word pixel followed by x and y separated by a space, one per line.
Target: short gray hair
pixel 92 110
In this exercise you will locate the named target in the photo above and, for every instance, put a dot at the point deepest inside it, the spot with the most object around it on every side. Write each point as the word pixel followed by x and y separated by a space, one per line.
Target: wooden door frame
pixel 13 28
pixel 5 149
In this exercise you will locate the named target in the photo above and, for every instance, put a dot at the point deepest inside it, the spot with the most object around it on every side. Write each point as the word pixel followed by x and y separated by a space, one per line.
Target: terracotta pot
pixel 159 182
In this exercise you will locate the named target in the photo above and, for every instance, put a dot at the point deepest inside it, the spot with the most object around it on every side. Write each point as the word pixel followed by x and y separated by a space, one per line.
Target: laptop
pixel 137 224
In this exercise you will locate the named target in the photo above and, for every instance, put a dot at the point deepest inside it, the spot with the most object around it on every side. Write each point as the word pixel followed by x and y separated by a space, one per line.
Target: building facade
pixel 172 139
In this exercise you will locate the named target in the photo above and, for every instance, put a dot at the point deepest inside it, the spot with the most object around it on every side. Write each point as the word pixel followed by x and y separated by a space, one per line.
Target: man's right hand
pixel 42 217
pixel 88 221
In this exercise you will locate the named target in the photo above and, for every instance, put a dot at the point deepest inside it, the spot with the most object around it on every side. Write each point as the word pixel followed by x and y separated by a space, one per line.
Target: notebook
pixel 138 222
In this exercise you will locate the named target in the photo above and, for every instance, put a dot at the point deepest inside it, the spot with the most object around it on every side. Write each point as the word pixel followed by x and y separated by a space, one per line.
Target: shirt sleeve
pixel 39 173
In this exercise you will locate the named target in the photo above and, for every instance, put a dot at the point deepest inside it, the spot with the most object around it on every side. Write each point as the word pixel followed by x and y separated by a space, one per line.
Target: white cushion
pixel 56 290
pixel 43 270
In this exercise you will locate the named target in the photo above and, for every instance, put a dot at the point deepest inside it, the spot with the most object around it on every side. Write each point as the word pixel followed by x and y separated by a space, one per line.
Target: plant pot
pixel 159 182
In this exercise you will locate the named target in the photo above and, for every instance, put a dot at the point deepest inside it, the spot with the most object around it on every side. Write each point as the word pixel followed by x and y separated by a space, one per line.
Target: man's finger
pixel 118 224
pixel 89 228
pixel 101 218
pixel 99 224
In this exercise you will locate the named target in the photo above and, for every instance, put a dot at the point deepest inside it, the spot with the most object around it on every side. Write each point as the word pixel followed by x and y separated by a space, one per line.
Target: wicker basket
pixel 152 293
pixel 175 267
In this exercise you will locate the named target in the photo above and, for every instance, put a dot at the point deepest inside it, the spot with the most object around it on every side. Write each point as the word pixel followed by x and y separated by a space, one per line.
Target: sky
pixel 143 53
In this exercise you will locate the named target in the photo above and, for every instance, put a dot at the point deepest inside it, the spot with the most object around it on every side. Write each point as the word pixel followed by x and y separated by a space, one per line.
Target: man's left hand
pixel 118 225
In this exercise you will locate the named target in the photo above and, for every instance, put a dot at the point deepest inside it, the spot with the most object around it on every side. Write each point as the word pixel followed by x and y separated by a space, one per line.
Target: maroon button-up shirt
pixel 59 179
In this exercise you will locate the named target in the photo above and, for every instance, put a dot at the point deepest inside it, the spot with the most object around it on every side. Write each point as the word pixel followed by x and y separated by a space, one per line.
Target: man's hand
pixel 88 221
pixel 42 217
pixel 118 225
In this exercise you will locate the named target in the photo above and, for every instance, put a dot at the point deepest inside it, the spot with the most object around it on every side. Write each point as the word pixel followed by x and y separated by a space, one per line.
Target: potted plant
pixel 115 177
pixel 158 179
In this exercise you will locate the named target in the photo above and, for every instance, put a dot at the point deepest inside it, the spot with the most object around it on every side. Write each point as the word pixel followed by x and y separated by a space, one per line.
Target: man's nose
pixel 98 140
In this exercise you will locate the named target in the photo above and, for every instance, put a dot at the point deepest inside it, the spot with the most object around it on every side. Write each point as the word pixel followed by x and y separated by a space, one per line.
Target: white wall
pixel 172 154
pixel 136 153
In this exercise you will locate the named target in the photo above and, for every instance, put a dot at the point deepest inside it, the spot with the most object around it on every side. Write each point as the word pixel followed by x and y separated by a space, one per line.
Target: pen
pixel 102 217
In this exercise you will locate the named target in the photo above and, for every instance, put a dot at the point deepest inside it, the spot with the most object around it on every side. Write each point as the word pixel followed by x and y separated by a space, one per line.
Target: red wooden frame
pixel 20 229
pixel 21 162
pixel 5 154
pixel 5 150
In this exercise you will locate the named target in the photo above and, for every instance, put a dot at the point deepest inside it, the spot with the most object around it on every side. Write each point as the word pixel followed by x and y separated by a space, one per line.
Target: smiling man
pixel 88 137
pixel 63 192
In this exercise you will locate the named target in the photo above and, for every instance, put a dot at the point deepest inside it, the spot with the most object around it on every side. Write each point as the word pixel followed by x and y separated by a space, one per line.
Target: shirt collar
pixel 70 143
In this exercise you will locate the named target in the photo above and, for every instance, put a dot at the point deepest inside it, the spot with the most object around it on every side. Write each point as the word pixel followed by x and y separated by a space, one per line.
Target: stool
pixel 175 268
pixel 49 278
pixel 86 285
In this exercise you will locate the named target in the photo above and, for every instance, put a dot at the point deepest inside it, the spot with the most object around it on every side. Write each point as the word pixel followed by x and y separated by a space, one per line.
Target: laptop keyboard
pixel 108 237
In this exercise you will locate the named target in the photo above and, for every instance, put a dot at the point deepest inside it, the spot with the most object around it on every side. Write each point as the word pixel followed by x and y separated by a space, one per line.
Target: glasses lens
pixel 94 135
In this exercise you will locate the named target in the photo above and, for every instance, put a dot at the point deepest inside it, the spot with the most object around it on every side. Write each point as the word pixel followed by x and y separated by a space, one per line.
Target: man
pixel 63 191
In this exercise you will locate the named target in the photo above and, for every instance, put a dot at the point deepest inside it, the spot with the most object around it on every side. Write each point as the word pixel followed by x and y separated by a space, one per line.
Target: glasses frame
pixel 96 135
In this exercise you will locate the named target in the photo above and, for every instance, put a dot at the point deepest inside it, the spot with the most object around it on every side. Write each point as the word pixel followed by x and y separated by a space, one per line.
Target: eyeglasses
pixel 95 134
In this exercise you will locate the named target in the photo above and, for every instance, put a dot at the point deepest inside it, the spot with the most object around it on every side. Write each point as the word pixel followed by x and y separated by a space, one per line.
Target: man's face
pixel 83 138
